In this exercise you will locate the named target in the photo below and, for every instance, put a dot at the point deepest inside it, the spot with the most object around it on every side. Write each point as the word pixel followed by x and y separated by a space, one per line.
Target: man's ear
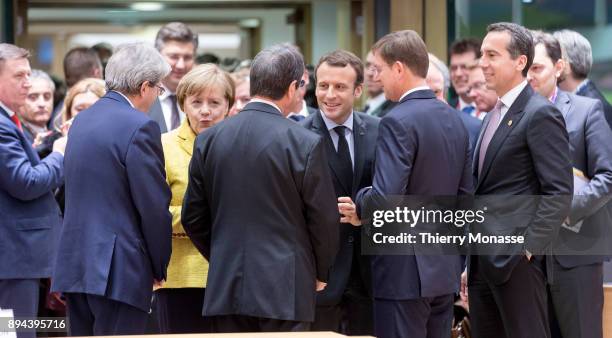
pixel 291 91
pixel 144 87
pixel 358 91
pixel 521 62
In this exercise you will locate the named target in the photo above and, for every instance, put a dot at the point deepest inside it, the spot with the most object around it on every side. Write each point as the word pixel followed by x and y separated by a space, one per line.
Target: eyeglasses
pixel 160 89
pixel 300 84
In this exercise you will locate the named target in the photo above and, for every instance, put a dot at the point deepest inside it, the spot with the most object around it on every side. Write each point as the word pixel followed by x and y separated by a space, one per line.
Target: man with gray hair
pixel 178 44
pixel 116 238
pixel 38 106
pixel 30 216
pixel 271 238
pixel 577 53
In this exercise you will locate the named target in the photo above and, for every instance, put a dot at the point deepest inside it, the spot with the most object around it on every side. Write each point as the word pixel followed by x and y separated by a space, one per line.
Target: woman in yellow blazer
pixel 205 94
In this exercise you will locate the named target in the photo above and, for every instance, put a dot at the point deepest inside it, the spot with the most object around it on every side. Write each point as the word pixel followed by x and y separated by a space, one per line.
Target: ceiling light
pixel 147 6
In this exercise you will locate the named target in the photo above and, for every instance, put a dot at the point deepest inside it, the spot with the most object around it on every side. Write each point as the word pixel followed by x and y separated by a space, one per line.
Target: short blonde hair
pixel 203 77
pixel 90 84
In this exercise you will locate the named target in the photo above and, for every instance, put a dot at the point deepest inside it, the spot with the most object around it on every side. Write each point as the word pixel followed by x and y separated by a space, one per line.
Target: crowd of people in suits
pixel 165 196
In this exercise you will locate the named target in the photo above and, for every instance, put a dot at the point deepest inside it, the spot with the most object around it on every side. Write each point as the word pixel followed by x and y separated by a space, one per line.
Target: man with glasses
pixel 376 104
pixel 177 43
pixel 484 99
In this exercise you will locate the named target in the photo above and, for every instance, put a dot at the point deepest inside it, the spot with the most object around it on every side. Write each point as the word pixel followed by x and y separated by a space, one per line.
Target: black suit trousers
pixel 515 308
pixel 240 323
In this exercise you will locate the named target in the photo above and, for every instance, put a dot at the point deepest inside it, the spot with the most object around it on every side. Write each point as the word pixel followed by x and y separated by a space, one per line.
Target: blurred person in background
pixel 79 63
pixel 243 95
pixel 484 98
pixel 578 56
pixel 205 94
pixel 301 110
pixel 438 80
pixel 79 97
pixel 38 106
pixel 463 53
pixel 115 241
pixel 310 96
pixel 178 44
pixel 575 295
pixel 376 104
pixel 105 51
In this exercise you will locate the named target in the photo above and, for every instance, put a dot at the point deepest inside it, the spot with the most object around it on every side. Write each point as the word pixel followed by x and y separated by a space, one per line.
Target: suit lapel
pixel 514 114
pixel 563 103
pixel 359 135
pixel 319 127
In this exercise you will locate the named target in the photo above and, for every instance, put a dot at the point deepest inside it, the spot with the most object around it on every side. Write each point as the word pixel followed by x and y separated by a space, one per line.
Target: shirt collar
pixel 10 112
pixel 331 124
pixel 376 100
pixel 553 97
pixel 581 85
pixel 267 102
pixel 125 97
pixel 414 90
pixel 509 98
pixel 463 104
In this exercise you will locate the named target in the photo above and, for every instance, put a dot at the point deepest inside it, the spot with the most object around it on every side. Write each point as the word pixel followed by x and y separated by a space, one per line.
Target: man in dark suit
pixel 350 140
pixel 376 104
pixel 436 80
pixel 523 149
pixel 115 241
pixel 178 44
pixel 578 56
pixel 463 53
pixel 31 217
pixel 576 294
pixel 268 226
pixel 422 149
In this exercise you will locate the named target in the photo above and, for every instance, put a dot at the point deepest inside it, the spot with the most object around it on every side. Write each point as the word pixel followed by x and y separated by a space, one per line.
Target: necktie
pixel 175 119
pixel 344 157
pixel 17 122
pixel 468 109
pixel 366 108
pixel 297 118
pixel 489 132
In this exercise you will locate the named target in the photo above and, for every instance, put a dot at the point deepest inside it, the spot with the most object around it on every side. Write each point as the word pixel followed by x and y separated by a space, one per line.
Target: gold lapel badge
pixel 510 123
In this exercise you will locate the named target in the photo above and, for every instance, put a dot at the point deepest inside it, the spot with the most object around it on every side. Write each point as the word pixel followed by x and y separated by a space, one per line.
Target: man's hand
pixel 60 145
pixel 463 293
pixel 320 285
pixel 348 210
pixel 157 284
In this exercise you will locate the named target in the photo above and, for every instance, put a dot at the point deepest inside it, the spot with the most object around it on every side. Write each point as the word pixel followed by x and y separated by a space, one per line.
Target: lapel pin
pixel 509 123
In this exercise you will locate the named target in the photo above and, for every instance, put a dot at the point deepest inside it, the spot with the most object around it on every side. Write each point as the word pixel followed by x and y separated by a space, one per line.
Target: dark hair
pixel 406 47
pixel 553 48
pixel 465 46
pixel 342 58
pixel 175 31
pixel 273 70
pixel 80 63
pixel 521 41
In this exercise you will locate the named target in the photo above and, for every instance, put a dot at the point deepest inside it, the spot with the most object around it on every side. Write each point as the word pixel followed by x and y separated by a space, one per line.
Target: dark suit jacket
pixel 589 90
pixel 156 114
pixel 365 132
pixel 528 156
pixel 591 151
pixel 472 125
pixel 30 217
pixel 260 207
pixel 383 109
pixel 423 149
pixel 116 236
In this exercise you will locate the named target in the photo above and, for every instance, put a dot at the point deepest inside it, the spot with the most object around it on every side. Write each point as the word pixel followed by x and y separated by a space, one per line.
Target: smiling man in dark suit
pixel 523 149
pixel 350 140
pixel 116 237
pixel 423 149
pixel 272 238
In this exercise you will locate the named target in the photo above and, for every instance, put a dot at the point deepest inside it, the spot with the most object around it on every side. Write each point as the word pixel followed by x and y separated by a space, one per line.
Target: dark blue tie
pixel 297 118
pixel 468 109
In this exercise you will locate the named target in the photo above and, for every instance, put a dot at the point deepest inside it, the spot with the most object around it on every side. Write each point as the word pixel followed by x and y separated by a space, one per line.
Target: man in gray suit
pixel 177 43
pixel 576 295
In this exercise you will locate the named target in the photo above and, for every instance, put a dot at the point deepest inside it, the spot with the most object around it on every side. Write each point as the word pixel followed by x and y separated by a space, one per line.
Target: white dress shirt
pixel 375 102
pixel 348 134
pixel 509 98
pixel 10 112
pixel 125 97
pixel 166 106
